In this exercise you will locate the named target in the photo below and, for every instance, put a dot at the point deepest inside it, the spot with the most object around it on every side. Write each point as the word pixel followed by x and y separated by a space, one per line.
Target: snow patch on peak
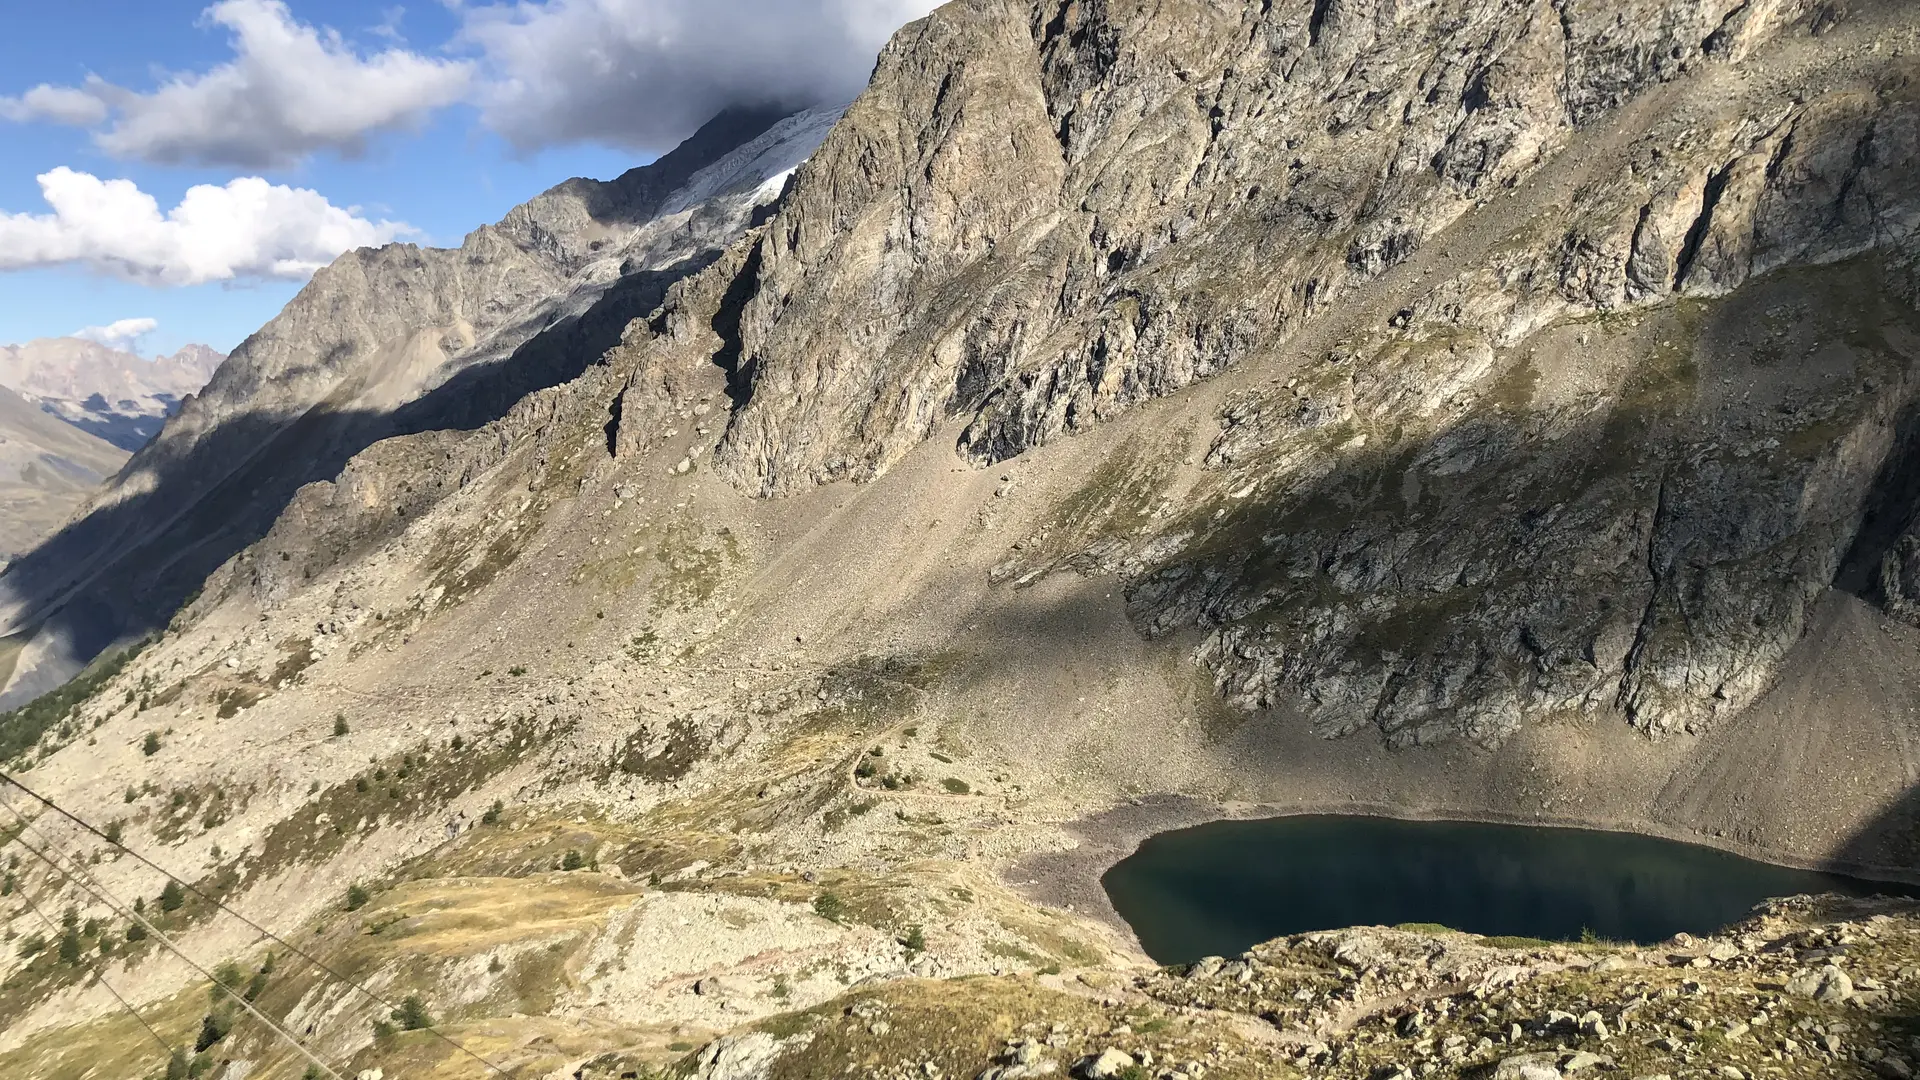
pixel 756 165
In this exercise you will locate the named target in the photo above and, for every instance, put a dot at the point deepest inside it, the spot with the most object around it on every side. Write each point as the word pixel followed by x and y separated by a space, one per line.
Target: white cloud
pixel 119 334
pixel 246 229
pixel 641 73
pixel 290 90
pixel 60 104
pixel 646 73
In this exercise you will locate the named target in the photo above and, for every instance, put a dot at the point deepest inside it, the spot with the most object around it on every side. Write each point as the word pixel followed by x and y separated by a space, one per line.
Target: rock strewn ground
pixel 1807 987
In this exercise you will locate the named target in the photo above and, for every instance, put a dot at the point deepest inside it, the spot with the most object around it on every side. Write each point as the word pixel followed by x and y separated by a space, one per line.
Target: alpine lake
pixel 1220 888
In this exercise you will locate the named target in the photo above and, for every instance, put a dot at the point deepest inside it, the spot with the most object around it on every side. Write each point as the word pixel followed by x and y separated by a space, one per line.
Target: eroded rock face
pixel 1593 324
pixel 1042 214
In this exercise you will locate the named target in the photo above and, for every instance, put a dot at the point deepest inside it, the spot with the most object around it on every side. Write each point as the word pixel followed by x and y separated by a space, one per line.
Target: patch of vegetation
pixel 1118 497
pixel 644 646
pixel 837 818
pixel 662 756
pixel 412 1014
pixel 464 561
pixel 232 699
pixel 1511 941
pixel 399 788
pixel 692 564
pixel 204 805
pixel 23 729
pixel 296 656
pixel 1008 951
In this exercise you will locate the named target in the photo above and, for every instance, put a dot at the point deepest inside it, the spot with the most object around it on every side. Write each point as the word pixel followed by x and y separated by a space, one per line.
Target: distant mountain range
pixel 71 412
pixel 108 393
pixel 46 469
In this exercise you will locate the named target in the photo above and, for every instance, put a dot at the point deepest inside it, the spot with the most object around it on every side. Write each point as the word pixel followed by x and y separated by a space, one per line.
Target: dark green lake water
pixel 1220 888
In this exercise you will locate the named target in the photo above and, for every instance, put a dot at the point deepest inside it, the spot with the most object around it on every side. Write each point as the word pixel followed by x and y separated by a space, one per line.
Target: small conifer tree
pixel 412 1014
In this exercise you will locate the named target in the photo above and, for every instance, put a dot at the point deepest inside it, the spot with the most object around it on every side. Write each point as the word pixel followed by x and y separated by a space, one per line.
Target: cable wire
pixel 100 975
pixel 88 884
pixel 256 927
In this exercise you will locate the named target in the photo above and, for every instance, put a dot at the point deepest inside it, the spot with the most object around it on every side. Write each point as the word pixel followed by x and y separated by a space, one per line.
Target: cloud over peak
pixel 248 228
pixel 646 73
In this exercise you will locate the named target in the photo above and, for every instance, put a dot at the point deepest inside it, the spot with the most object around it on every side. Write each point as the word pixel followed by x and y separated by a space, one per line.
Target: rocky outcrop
pixel 1041 215
pixel 1565 419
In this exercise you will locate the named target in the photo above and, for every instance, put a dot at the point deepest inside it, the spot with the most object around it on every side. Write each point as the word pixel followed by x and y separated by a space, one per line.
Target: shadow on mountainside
pixel 145 577
pixel 1515 561
pixel 1888 843
pixel 1511 567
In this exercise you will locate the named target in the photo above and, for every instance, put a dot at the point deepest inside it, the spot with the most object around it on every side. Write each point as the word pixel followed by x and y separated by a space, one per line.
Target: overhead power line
pixel 310 959
pixel 85 879
pixel 97 973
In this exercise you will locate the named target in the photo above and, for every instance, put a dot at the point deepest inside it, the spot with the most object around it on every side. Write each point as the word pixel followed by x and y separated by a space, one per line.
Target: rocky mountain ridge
pixel 1118 278
pixel 1436 409
pixel 383 342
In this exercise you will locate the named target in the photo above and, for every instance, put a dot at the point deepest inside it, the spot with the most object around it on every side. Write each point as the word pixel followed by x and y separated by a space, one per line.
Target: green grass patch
pixel 56 712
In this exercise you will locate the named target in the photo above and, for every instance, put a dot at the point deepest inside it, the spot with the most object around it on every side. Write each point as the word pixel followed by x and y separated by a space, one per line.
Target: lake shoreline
pixel 1072 879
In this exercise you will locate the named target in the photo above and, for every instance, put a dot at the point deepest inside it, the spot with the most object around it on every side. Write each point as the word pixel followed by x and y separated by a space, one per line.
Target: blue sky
pixel 437 115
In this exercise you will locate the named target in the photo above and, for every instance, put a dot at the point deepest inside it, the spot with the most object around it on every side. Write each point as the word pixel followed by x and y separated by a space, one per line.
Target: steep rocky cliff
pixel 1436 408
pixel 1560 461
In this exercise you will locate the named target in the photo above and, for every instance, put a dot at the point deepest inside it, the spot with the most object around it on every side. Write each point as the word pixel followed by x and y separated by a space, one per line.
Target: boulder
pixel 1105 1065
pixel 1523 1067
pixel 750 1056
pixel 1829 984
